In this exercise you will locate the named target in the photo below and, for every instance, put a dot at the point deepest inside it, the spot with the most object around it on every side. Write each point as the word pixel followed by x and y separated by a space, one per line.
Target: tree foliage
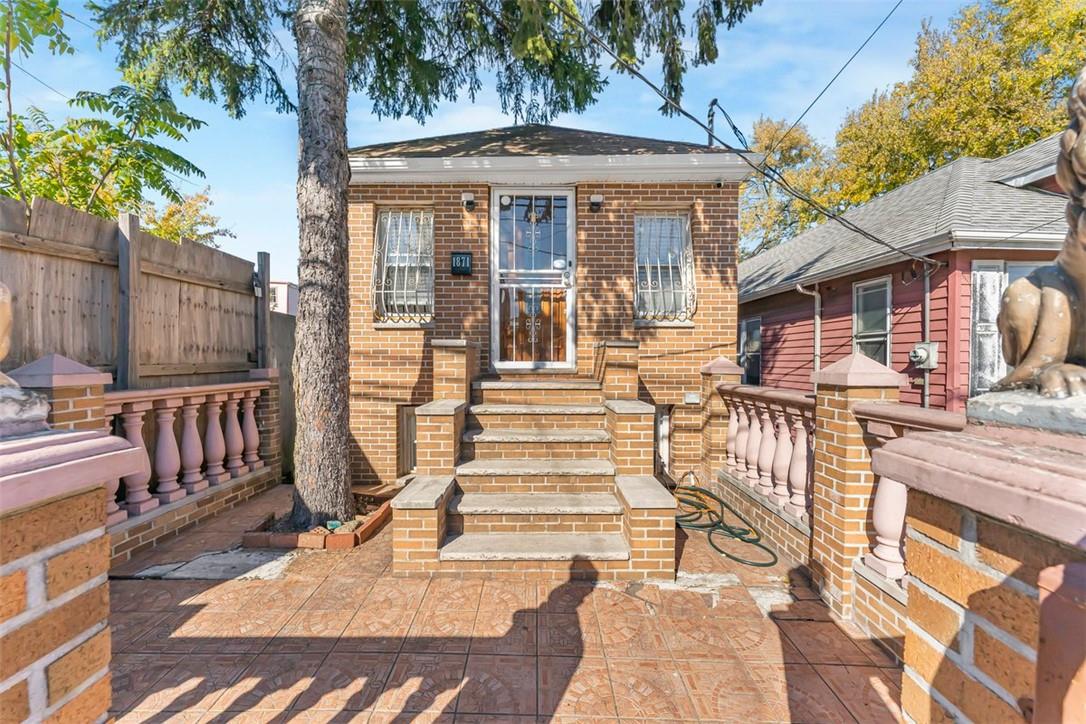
pixel 189 219
pixel 406 56
pixel 993 81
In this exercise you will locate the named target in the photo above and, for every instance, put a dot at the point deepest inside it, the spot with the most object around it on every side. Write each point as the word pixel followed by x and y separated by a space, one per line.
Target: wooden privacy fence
pixel 152 312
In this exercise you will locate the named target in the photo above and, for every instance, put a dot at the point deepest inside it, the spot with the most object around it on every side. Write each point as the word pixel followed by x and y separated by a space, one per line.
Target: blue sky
pixel 773 64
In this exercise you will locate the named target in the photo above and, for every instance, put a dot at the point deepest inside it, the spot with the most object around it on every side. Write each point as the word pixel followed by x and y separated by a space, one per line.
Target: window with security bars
pixel 403 266
pixel 665 267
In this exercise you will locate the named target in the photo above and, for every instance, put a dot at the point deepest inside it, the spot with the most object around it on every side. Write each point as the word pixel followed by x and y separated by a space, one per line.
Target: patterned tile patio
pixel 337 638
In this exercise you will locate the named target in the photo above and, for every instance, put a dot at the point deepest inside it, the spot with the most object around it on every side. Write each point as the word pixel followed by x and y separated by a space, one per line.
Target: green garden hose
pixel 700 509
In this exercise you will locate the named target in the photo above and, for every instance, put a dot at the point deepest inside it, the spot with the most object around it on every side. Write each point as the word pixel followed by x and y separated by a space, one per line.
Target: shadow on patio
pixel 337 638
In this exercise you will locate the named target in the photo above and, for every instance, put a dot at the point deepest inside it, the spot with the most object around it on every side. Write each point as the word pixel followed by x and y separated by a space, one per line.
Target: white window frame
pixel 857 287
pixel 998 266
pixel 742 346
pixel 424 304
pixel 687 281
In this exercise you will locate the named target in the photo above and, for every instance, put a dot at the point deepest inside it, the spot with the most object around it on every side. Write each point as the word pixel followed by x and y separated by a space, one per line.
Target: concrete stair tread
pixel 535 504
pixel 535 385
pixel 536 467
pixel 492 408
pixel 535 547
pixel 540 436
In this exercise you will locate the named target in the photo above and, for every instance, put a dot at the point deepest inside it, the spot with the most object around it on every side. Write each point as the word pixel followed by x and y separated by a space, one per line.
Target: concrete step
pixel 535 504
pixel 535 547
pixel 536 417
pixel 537 392
pixel 545 475
pixel 530 436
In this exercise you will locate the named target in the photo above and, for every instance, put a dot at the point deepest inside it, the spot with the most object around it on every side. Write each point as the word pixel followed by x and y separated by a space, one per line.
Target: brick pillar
pixel 620 373
pixel 630 424
pixel 268 420
pixel 418 524
pixel 456 364
pixel 438 427
pixel 76 393
pixel 714 416
pixel 844 485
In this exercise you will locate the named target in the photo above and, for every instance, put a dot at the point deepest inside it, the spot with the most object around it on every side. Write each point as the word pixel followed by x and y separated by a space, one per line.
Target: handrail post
pixel 718 419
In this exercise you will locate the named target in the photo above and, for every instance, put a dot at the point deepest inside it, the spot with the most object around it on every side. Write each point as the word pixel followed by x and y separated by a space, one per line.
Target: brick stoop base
pixel 164 523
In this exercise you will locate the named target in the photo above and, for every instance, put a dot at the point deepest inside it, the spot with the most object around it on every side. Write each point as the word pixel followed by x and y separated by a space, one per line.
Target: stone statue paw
pixel 1062 380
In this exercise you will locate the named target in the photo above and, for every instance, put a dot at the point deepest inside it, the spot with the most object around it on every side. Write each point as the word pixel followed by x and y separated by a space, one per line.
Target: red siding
pixel 788 326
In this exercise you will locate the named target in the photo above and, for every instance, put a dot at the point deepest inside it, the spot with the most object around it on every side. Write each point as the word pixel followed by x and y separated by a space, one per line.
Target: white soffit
pixel 692 167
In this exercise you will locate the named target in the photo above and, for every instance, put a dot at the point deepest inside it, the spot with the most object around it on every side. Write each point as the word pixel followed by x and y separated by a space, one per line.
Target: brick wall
pixel 787 536
pixel 392 366
pixel 54 608
pixel 973 613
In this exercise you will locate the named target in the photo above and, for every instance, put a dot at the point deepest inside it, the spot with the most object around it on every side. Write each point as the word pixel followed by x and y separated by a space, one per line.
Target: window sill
pixel 649 323
pixel 403 325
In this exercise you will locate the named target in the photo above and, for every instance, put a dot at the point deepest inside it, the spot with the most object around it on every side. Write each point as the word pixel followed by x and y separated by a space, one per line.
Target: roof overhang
pixel 1029 177
pixel 690 167
pixel 946 241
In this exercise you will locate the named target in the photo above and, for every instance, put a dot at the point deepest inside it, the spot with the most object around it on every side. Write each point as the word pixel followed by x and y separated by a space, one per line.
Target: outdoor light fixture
pixel 467 199
pixel 595 203
pixel 506 202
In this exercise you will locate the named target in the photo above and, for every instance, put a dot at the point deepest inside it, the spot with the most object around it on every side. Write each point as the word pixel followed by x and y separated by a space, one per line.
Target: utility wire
pixel 762 169
pixel 833 79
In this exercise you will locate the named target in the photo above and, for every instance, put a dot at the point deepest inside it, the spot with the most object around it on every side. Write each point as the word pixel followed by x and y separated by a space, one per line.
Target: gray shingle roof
pixel 962 197
pixel 530 140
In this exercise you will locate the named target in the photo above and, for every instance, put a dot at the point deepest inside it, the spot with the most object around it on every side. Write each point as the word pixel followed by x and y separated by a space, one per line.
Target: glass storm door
pixel 532 291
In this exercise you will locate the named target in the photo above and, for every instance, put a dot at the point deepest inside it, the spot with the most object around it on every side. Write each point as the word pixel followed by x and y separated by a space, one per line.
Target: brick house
pixel 828 292
pixel 542 250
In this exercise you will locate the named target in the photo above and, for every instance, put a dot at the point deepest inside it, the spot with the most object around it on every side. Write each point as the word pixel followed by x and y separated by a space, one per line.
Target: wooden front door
pixel 533 245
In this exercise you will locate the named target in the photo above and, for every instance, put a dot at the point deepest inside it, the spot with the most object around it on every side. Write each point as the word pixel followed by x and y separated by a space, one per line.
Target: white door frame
pixel 571 292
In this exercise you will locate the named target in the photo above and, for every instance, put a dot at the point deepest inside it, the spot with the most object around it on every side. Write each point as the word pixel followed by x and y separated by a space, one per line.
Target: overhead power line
pixel 761 169
pixel 833 79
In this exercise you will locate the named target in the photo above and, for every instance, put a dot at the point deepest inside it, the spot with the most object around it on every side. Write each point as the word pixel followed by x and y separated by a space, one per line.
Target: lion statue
pixel 1043 315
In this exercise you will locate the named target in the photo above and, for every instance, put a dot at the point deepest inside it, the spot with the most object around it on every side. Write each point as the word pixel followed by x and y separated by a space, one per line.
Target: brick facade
pixel 391 366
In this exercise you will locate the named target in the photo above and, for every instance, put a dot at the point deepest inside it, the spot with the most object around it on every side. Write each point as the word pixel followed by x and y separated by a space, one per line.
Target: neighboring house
pixel 986 221
pixel 536 242
pixel 284 297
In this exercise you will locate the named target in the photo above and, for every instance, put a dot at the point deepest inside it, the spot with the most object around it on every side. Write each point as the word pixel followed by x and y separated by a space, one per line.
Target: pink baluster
pixel 235 443
pixel 766 450
pixel 214 442
pixel 797 470
pixel 741 437
pixel 249 432
pixel 733 430
pixel 192 451
pixel 782 459
pixel 114 513
pixel 888 515
pixel 137 496
pixel 754 444
pixel 167 456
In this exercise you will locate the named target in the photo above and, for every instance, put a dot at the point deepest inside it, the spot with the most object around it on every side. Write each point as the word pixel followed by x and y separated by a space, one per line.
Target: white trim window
pixel 989 279
pixel 664 273
pixel 403 266
pixel 750 350
pixel 871 305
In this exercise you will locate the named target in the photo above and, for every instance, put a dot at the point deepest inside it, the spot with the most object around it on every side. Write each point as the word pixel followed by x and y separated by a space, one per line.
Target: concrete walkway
pixel 336 638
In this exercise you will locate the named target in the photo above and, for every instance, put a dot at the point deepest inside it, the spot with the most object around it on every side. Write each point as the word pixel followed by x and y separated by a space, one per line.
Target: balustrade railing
pixel 215 438
pixel 883 422
pixel 769 443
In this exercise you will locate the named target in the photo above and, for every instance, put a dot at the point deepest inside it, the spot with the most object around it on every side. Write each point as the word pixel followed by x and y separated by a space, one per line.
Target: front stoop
pixel 550 481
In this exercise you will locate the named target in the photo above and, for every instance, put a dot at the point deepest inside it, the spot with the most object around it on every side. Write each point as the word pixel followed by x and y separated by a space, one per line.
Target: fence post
pixel 263 310
pixel 844 484
pixel 128 272
pixel 715 416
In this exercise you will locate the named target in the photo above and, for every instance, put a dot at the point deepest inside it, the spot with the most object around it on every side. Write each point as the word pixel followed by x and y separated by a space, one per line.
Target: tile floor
pixel 337 638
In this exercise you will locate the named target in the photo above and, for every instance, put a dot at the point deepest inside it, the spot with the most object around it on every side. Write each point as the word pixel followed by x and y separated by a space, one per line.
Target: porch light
pixel 467 199
pixel 595 203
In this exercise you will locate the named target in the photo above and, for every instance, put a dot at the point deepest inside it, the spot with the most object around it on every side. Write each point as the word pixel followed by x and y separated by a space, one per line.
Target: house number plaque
pixel 461 262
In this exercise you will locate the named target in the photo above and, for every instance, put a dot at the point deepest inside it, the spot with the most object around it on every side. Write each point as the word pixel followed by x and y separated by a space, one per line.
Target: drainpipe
pixel 813 292
pixel 926 331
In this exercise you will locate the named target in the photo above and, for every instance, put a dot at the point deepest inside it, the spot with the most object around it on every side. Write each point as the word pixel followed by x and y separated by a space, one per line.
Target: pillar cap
pixel 721 366
pixel 453 343
pixel 54 370
pixel 858 370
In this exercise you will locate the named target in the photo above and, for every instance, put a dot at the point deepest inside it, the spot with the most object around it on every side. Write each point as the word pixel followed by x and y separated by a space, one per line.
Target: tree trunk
pixel 321 465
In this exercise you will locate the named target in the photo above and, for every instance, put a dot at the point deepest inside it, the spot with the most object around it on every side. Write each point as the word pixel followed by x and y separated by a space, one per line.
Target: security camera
pixel 719 183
